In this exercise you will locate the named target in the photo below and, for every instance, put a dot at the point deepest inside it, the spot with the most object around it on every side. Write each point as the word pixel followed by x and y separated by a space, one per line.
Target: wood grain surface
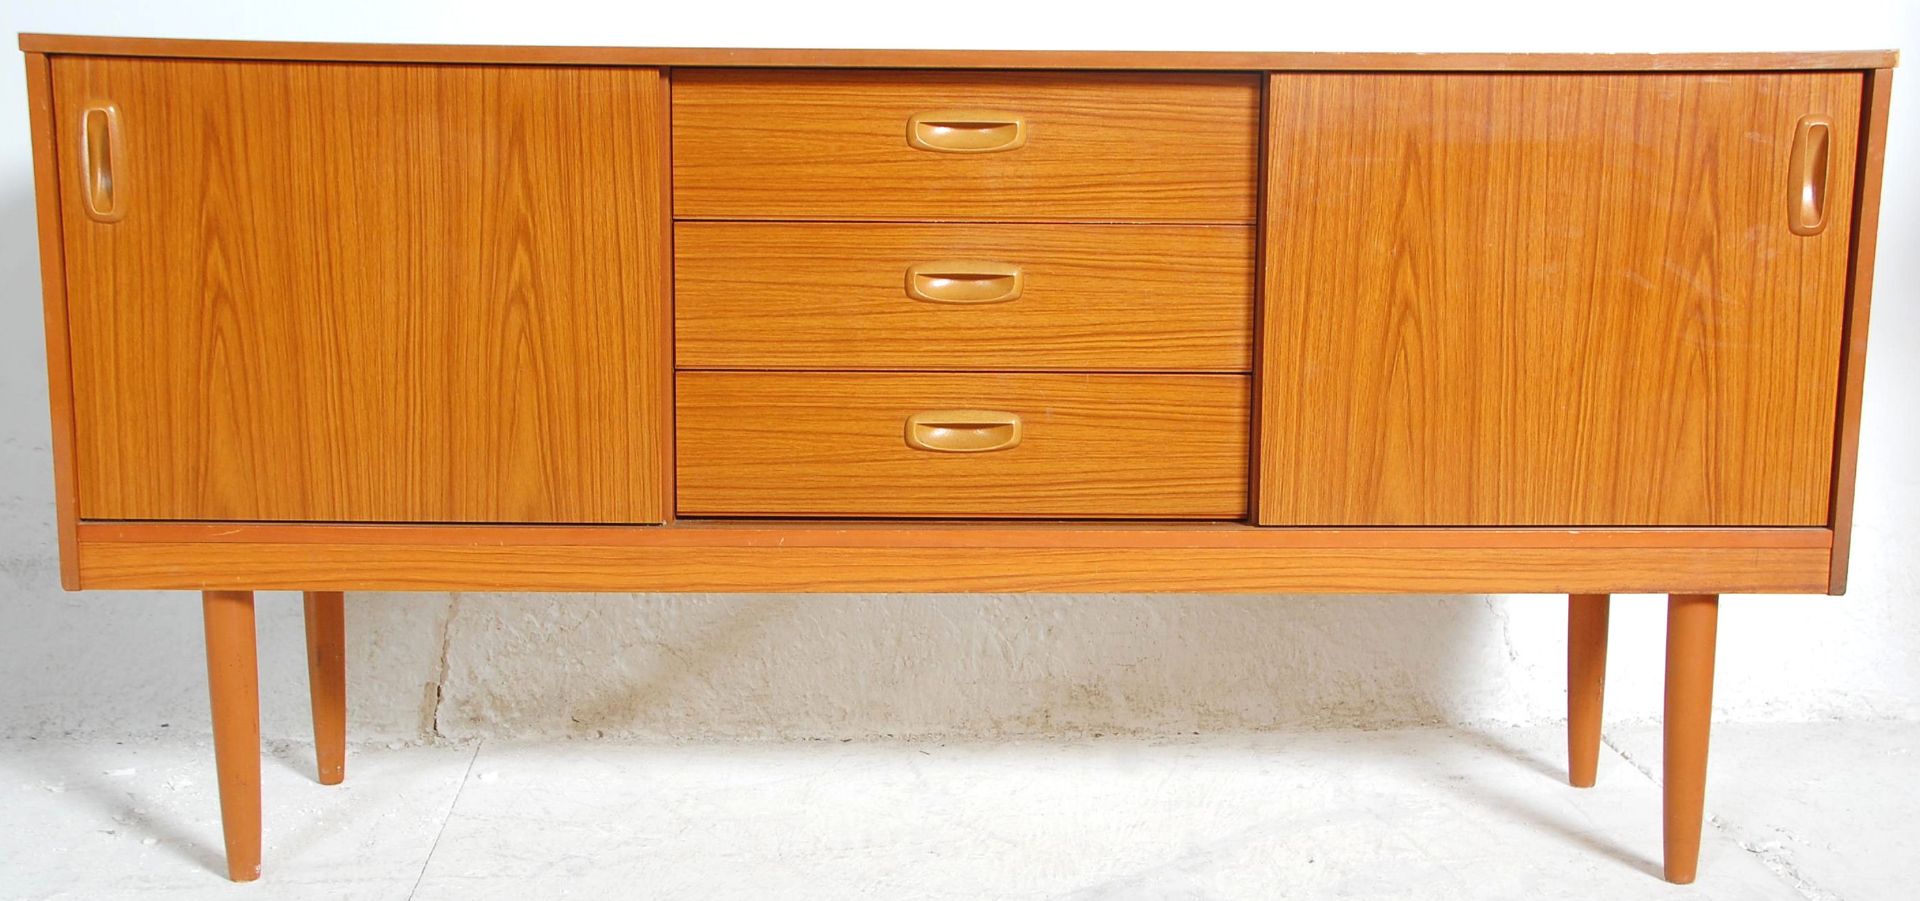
pixel 951 533
pixel 426 564
pixel 832 444
pixel 876 555
pixel 801 144
pixel 1549 300
pixel 1177 60
pixel 833 296
pixel 371 293
pixel 1866 241
pixel 53 305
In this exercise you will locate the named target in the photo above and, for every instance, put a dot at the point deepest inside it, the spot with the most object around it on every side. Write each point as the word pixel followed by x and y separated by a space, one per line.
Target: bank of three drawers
pixel 963 294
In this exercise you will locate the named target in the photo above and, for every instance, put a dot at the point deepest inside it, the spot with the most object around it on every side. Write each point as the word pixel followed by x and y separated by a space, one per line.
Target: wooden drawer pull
pixel 963 431
pixel 966 131
pixel 1807 204
pixel 955 281
pixel 100 147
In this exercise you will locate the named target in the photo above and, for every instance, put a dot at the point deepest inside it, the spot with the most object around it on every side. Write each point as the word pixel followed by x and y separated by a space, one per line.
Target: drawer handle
pixel 966 131
pixel 100 147
pixel 956 281
pixel 963 431
pixel 1807 203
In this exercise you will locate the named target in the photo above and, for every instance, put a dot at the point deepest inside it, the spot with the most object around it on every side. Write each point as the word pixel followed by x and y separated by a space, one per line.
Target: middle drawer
pixel 1163 298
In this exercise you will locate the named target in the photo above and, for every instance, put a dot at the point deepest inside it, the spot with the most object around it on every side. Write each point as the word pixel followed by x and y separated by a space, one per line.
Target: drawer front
pixel 783 144
pixel 890 296
pixel 1027 445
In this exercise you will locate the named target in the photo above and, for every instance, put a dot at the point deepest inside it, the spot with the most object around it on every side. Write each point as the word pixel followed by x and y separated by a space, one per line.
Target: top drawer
pixel 784 144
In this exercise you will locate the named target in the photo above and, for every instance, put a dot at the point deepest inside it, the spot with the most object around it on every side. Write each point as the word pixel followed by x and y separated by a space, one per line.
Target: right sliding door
pixel 1554 299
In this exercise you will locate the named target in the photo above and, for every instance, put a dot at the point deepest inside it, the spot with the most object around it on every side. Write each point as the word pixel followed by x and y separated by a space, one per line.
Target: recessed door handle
pixel 963 431
pixel 966 131
pixel 1808 166
pixel 958 281
pixel 102 152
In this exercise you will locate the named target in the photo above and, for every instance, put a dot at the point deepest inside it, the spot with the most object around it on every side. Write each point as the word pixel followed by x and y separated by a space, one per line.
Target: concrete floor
pixel 1821 811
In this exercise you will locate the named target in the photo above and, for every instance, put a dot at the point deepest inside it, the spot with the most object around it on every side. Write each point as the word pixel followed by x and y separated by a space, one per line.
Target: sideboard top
pixel 950 59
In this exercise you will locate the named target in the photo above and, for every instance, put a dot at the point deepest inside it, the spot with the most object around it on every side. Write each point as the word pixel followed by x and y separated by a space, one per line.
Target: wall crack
pixel 440 674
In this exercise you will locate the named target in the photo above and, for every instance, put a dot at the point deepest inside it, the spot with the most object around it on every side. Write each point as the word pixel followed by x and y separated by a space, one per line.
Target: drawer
pixel 963 296
pixel 1026 445
pixel 784 144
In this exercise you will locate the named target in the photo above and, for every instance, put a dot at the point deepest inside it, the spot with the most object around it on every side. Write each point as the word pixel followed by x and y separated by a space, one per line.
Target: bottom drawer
pixel 962 445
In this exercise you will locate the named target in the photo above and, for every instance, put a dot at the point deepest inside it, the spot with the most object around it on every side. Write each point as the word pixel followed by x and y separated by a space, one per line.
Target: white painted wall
pixel 839 666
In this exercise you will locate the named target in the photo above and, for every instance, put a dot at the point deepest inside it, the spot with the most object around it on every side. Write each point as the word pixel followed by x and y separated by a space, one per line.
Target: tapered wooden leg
pixel 233 681
pixel 1692 620
pixel 327 682
pixel 1586 684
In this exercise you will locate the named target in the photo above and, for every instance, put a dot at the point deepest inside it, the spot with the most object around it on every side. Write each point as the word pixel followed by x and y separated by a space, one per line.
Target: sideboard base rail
pixel 941 557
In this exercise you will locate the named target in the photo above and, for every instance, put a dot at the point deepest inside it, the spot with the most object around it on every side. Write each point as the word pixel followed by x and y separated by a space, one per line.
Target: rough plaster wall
pixel 850 666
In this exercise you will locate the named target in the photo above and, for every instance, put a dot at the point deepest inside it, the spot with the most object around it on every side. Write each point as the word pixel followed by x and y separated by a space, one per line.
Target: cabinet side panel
pixel 53 291
pixel 1550 299
pixel 372 293
pixel 1873 159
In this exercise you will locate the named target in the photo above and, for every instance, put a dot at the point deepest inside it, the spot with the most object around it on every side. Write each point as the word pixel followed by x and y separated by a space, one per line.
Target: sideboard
pixel 334 317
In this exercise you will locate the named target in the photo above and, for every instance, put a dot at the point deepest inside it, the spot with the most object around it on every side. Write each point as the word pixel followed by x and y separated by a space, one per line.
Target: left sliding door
pixel 365 293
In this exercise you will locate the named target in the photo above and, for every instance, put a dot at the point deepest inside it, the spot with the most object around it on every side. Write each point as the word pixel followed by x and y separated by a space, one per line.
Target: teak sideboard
pixel 333 317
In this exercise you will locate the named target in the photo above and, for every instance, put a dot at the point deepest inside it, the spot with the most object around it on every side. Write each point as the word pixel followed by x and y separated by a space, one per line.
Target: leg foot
pixel 327 682
pixel 1586 683
pixel 233 682
pixel 1692 620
